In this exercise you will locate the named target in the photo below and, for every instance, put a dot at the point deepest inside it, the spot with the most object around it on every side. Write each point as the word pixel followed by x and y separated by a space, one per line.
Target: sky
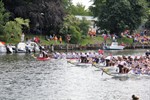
pixel 86 3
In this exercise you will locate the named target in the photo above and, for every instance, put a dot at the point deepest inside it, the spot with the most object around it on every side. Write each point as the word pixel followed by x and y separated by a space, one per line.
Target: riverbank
pixel 84 41
pixel 68 47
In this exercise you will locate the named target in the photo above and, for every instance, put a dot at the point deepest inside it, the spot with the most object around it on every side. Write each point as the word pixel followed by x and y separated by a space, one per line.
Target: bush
pixel 13 29
pixel 75 35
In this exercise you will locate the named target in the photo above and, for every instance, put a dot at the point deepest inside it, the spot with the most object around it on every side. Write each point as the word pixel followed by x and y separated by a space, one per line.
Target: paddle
pixel 93 64
pixel 102 71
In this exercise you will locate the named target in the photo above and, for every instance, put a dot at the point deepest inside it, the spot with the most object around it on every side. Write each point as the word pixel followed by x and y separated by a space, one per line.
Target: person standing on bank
pixel 22 37
pixel 60 40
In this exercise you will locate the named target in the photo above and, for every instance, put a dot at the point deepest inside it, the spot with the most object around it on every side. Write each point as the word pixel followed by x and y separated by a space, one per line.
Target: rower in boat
pixel 63 55
pixel 83 58
pixel 96 60
pixel 123 68
pixel 147 53
pixel 43 54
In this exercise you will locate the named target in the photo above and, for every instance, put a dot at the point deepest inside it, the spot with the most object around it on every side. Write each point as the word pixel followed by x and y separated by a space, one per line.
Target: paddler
pixel 83 58
pixel 43 54
pixel 147 53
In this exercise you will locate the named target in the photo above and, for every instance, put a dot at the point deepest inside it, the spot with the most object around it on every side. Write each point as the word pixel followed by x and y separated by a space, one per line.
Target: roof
pixel 87 17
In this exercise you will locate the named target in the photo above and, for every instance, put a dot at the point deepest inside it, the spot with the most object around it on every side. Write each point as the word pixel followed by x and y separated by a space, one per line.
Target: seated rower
pixel 43 54
pixel 96 60
pixel 147 53
pixel 121 65
pixel 83 58
pixel 125 69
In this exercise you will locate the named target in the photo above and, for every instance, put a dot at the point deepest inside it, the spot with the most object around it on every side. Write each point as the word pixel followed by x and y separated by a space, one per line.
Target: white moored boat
pixel 113 46
pixel 21 47
pixel 32 47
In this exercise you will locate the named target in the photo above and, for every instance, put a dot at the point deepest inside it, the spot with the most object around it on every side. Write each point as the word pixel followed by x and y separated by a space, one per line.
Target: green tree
pixel 75 34
pixel 4 16
pixel 15 28
pixel 71 26
pixel 44 15
pixel 117 15
pixel 67 4
pixel 147 24
pixel 79 9
pixel 75 27
pixel 84 26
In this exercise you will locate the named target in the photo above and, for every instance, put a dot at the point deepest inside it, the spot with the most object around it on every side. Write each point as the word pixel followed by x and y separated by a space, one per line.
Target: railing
pixel 94 47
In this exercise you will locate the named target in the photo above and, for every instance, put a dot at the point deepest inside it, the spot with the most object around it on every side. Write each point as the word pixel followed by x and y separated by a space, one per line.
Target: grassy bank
pixel 84 41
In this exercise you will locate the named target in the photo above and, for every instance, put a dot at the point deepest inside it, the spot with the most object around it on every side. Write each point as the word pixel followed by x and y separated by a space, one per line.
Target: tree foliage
pixel 67 4
pixel 84 26
pixel 15 28
pixel 147 24
pixel 4 16
pixel 75 27
pixel 78 9
pixel 117 15
pixel 71 26
pixel 45 15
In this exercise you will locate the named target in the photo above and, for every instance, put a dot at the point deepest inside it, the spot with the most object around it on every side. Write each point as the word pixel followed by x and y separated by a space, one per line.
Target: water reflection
pixel 24 78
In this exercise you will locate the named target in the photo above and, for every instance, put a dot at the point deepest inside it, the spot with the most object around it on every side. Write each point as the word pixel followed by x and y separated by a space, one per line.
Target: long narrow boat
pixel 43 58
pixel 117 75
pixel 77 62
pixel 72 60
pixel 83 64
pixel 99 65
pixel 114 72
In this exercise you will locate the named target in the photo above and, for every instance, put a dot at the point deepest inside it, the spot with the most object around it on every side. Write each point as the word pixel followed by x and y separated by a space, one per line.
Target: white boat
pixel 83 64
pixel 114 72
pixel 21 47
pixel 72 60
pixel 2 47
pixel 9 49
pixel 32 47
pixel 77 62
pixel 113 46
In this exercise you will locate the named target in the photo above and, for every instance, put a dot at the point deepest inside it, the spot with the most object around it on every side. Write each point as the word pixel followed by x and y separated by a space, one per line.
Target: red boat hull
pixel 42 58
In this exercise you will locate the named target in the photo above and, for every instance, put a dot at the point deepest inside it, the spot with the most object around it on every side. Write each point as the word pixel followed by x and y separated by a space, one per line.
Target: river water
pixel 24 78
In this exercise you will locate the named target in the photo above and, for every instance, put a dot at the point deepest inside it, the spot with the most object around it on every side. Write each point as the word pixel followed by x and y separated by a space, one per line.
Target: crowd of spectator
pixel 139 38
pixel 55 38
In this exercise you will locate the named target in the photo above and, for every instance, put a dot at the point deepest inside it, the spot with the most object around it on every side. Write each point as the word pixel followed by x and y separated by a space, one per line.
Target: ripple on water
pixel 28 79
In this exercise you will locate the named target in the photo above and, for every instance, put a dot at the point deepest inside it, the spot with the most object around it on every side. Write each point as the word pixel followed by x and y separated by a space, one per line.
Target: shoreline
pixel 91 47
